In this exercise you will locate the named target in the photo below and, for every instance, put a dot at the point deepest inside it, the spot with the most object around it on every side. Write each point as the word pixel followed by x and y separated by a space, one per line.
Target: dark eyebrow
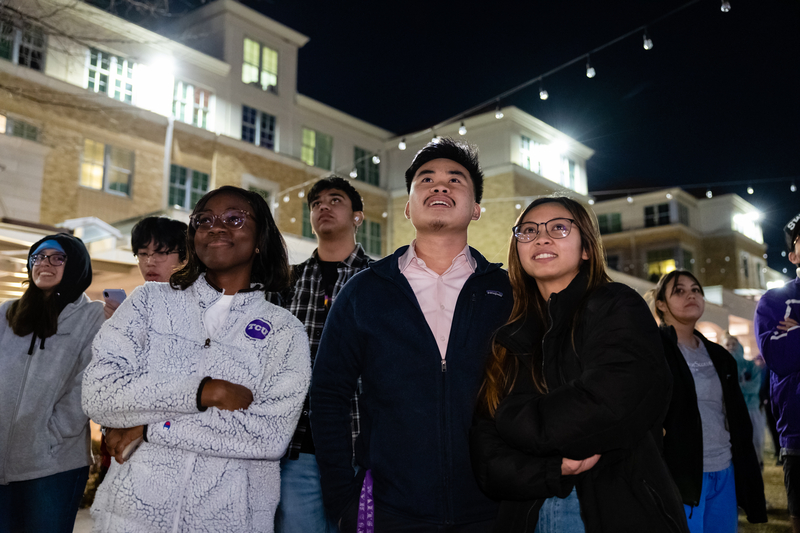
pixel 429 171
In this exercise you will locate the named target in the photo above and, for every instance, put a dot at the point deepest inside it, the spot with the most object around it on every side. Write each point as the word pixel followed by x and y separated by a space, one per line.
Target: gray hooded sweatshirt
pixel 43 430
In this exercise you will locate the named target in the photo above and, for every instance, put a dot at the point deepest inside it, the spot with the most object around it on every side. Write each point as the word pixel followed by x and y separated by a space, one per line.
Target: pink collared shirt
pixel 437 295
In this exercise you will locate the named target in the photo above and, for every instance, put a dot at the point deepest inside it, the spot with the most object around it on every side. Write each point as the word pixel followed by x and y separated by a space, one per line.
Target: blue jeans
pixel 561 515
pixel 44 504
pixel 301 509
pixel 717 511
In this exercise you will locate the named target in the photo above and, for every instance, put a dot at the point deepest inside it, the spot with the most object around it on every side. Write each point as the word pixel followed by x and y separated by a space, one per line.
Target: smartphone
pixel 114 295
pixel 130 448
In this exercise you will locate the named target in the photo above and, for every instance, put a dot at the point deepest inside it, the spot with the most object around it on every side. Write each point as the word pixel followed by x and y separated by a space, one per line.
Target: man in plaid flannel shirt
pixel 336 212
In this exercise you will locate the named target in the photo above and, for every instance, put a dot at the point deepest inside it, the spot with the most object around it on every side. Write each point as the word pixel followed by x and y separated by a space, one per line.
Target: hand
pixel 786 325
pixel 572 467
pixel 109 308
pixel 118 439
pixel 225 395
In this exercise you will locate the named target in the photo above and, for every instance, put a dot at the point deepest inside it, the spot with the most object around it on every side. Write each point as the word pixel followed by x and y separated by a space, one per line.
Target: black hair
pixel 462 153
pixel 37 312
pixel 271 263
pixel 166 234
pixel 336 182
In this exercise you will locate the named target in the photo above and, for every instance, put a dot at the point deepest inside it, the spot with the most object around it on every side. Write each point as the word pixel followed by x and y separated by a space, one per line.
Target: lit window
pixel 529 151
pixel 366 169
pixel 260 66
pixel 609 223
pixel 18 128
pixel 258 127
pixel 186 186
pixel 656 215
pixel 660 262
pixel 317 149
pixel 369 235
pixel 106 167
pixel 23 46
pixel 191 104
pixel 111 75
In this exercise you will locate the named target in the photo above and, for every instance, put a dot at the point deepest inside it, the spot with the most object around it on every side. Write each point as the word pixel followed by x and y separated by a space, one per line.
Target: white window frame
pixel 189 104
pixel 18 41
pixel 260 67
pixel 111 76
pixel 188 189
pixel 107 167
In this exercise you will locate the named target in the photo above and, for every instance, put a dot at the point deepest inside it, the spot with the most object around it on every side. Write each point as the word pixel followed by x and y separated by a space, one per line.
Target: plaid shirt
pixel 306 301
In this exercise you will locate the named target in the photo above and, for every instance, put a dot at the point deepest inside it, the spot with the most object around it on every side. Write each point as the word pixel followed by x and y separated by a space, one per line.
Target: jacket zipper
pixel 660 503
pixel 549 328
pixel 14 418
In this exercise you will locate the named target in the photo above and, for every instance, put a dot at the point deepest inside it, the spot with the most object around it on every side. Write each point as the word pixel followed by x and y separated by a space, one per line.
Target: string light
pixel 384 214
pixel 301 193
pixel 647 42
pixel 543 94
pixel 669 196
pixel 591 201
pixel 518 206
pixel 709 194
pixel 376 160
pixel 793 187
pixel 750 190
pixel 725 7
pixel 463 129
pixel 498 113
pixel 354 173
pixel 402 144
pixel 483 209
pixel 286 199
pixel 590 72
pixel 436 139
pixel 630 199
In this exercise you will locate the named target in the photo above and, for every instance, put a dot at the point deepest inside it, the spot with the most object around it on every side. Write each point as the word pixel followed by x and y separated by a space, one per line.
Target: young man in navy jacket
pixel 416 327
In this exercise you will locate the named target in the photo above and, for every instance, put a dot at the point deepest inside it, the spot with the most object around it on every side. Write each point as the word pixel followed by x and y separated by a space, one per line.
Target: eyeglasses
pixel 557 228
pixel 157 257
pixel 232 219
pixel 54 259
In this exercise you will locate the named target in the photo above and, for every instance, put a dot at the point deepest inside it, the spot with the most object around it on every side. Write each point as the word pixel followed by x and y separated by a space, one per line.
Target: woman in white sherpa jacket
pixel 209 374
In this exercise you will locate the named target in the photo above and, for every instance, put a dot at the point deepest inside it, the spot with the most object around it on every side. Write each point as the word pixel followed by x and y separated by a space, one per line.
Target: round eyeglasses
pixel 557 228
pixel 231 219
pixel 156 257
pixel 55 260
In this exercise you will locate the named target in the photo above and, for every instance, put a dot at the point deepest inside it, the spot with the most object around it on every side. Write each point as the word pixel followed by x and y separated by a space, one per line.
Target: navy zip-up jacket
pixel 415 411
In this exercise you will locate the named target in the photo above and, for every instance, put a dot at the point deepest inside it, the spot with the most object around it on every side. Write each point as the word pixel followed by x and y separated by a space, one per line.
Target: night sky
pixel 714 101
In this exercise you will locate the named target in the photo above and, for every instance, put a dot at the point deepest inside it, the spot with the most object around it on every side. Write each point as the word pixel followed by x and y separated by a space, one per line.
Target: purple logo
pixel 258 329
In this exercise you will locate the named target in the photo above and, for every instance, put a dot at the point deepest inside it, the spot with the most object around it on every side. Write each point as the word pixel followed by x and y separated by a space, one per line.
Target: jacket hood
pixel 77 269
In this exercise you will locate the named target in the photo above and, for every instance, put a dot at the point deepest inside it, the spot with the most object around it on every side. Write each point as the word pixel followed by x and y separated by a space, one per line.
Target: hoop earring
pixel 257 251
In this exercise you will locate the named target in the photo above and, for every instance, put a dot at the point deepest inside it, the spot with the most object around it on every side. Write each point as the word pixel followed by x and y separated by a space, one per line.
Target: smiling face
pixel 553 263
pixel 46 276
pixel 442 198
pixel 332 214
pixel 683 303
pixel 222 249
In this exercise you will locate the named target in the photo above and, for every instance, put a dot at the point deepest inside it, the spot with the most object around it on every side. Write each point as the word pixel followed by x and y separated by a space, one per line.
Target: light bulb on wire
pixel 750 190
pixel 286 199
pixel 725 7
pixel 709 194
pixel 498 113
pixel 543 94
pixel 463 129
pixel 647 42
pixel 590 71
pixel 402 144
pixel 793 187
pixel 301 194
pixel 354 173
pixel 376 160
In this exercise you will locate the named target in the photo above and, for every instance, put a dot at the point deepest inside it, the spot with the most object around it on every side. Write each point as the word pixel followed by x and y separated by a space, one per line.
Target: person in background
pixel 567 432
pixel 336 212
pixel 415 327
pixel 777 327
pixel 750 383
pixel 208 374
pixel 708 444
pixel 46 338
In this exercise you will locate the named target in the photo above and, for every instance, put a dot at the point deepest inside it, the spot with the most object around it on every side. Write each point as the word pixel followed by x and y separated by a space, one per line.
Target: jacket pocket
pixel 56 439
pixel 658 502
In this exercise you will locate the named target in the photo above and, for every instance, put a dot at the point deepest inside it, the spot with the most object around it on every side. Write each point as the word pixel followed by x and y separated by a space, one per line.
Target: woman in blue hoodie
pixel 45 344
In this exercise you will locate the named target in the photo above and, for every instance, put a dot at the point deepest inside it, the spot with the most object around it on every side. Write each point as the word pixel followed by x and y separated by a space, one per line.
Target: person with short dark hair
pixel 336 212
pixel 415 327
pixel 46 338
pixel 777 328
pixel 209 374
pixel 708 440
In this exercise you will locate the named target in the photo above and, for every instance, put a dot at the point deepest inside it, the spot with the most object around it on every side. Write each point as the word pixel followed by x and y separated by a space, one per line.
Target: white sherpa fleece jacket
pixel 199 471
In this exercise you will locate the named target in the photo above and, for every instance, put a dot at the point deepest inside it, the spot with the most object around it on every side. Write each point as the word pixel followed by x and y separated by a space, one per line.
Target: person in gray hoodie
pixel 45 344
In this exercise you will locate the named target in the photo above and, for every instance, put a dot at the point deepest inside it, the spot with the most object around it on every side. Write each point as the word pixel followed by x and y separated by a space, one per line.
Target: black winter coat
pixel 683 441
pixel 608 393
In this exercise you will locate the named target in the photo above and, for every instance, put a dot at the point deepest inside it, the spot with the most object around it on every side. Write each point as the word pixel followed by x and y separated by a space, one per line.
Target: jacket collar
pixel 358 257
pixel 207 293
pixel 389 267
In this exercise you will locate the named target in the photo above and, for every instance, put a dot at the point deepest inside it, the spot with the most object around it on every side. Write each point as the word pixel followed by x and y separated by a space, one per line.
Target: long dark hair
pixel 271 263
pixel 37 312
pixel 659 292
pixel 502 369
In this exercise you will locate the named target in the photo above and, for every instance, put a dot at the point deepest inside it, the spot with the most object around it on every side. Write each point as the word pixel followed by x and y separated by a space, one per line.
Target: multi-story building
pixel 103 122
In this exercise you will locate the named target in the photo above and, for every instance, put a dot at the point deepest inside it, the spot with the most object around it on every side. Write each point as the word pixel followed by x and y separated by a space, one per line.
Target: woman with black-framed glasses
pixel 567 433
pixel 45 343
pixel 208 374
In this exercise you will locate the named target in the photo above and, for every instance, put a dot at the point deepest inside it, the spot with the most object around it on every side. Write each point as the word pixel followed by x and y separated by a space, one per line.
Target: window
pixel 366 169
pixel 317 149
pixel 683 214
pixel 186 186
pixel 613 262
pixel 745 266
pixel 18 128
pixel 656 215
pixel 191 104
pixel 609 223
pixel 258 127
pixel 106 167
pixel 260 66
pixel 23 46
pixel 660 262
pixel 307 231
pixel 529 153
pixel 111 75
pixel 370 237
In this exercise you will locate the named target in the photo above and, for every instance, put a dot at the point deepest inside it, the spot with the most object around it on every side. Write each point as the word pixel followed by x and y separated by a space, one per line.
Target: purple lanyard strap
pixel 366 506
